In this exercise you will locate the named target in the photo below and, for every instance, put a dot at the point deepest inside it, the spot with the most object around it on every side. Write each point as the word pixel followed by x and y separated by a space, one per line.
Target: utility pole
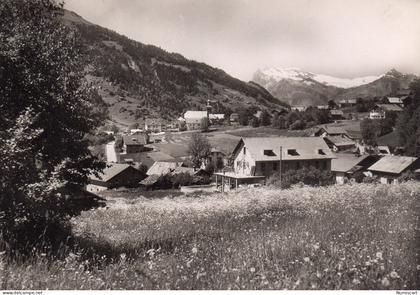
pixel 280 168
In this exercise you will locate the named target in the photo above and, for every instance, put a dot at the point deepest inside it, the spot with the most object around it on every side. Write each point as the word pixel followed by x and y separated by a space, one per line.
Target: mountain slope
pixel 305 88
pixel 140 81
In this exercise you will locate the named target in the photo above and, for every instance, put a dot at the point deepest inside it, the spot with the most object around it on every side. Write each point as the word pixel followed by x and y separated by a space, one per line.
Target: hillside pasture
pixel 363 236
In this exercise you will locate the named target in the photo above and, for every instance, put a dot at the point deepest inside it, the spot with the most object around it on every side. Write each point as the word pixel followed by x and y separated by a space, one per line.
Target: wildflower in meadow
pixel 356 281
pixel 385 282
pixel 379 255
pixel 123 256
pixel 394 275
pixel 194 250
pixel 252 269
pixel 306 259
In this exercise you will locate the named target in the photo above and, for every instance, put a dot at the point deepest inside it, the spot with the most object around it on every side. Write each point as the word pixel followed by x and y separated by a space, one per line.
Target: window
pixel 269 153
pixel 292 152
pixel 244 150
pixel 321 152
pixel 262 166
pixel 275 166
pixel 297 165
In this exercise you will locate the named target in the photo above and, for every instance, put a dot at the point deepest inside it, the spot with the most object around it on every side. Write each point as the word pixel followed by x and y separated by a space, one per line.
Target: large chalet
pixel 261 155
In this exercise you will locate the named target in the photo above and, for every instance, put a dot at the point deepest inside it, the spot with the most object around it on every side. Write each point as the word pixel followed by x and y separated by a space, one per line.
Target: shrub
pixel 406 176
pixel 181 179
pixel 307 175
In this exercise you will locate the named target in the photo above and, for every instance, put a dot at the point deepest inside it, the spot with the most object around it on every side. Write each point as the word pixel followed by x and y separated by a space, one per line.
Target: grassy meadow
pixel 363 236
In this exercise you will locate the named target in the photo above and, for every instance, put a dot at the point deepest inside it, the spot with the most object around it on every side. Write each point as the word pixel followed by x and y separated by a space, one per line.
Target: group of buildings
pixel 378 111
pixel 255 159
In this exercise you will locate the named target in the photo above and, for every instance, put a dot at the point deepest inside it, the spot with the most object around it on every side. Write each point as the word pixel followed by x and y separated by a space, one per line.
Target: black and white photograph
pixel 209 145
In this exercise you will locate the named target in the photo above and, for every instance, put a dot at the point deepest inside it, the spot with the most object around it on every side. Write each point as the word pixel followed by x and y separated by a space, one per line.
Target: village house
pixel 256 158
pixel 329 130
pixel 135 131
pixel 389 168
pixel 261 155
pixel 216 158
pixel 234 118
pixel 337 114
pixel 134 143
pixel 399 101
pixel 154 125
pixel 216 118
pixel 323 107
pixel 339 143
pixel 193 119
pixel 114 176
pixel 344 103
pixel 380 111
pixel 344 166
pixel 163 167
pixel 299 108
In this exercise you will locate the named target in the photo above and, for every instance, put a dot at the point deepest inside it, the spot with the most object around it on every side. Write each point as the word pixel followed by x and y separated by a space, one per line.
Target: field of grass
pixel 363 236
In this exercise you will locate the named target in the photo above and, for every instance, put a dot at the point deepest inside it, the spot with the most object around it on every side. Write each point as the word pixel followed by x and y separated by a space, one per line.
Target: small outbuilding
pixel 115 176
pixel 345 166
pixel 389 168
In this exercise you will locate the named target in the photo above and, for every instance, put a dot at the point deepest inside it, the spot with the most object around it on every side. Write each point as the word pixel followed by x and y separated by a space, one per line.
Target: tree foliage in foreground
pixel 198 149
pixel 45 115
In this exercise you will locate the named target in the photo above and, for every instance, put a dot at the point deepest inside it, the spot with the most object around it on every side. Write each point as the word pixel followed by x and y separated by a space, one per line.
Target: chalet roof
pixel 346 162
pixel 389 107
pixel 188 170
pixel 397 100
pixel 339 140
pixel 337 112
pixel 217 116
pixel 195 114
pixel 293 148
pixel 110 172
pixel 216 150
pixel 323 107
pixel 348 101
pixel 392 164
pixel 333 130
pixel 150 180
pixel 135 139
pixel 160 167
pixel 389 139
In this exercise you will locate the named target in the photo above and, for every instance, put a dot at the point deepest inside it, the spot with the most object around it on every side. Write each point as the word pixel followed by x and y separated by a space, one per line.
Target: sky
pixel 335 37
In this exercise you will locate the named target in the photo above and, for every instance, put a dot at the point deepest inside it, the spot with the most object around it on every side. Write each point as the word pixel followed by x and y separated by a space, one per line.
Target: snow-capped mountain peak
pixel 274 75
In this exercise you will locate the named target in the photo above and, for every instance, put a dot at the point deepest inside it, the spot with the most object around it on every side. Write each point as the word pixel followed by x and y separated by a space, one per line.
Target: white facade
pixel 93 188
pixel 243 162
pixel 375 115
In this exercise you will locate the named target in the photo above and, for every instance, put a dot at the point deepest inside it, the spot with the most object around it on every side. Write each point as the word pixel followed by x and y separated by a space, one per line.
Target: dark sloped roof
pixel 340 140
pixel 346 162
pixel 112 170
pixel 150 180
pixel 333 130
